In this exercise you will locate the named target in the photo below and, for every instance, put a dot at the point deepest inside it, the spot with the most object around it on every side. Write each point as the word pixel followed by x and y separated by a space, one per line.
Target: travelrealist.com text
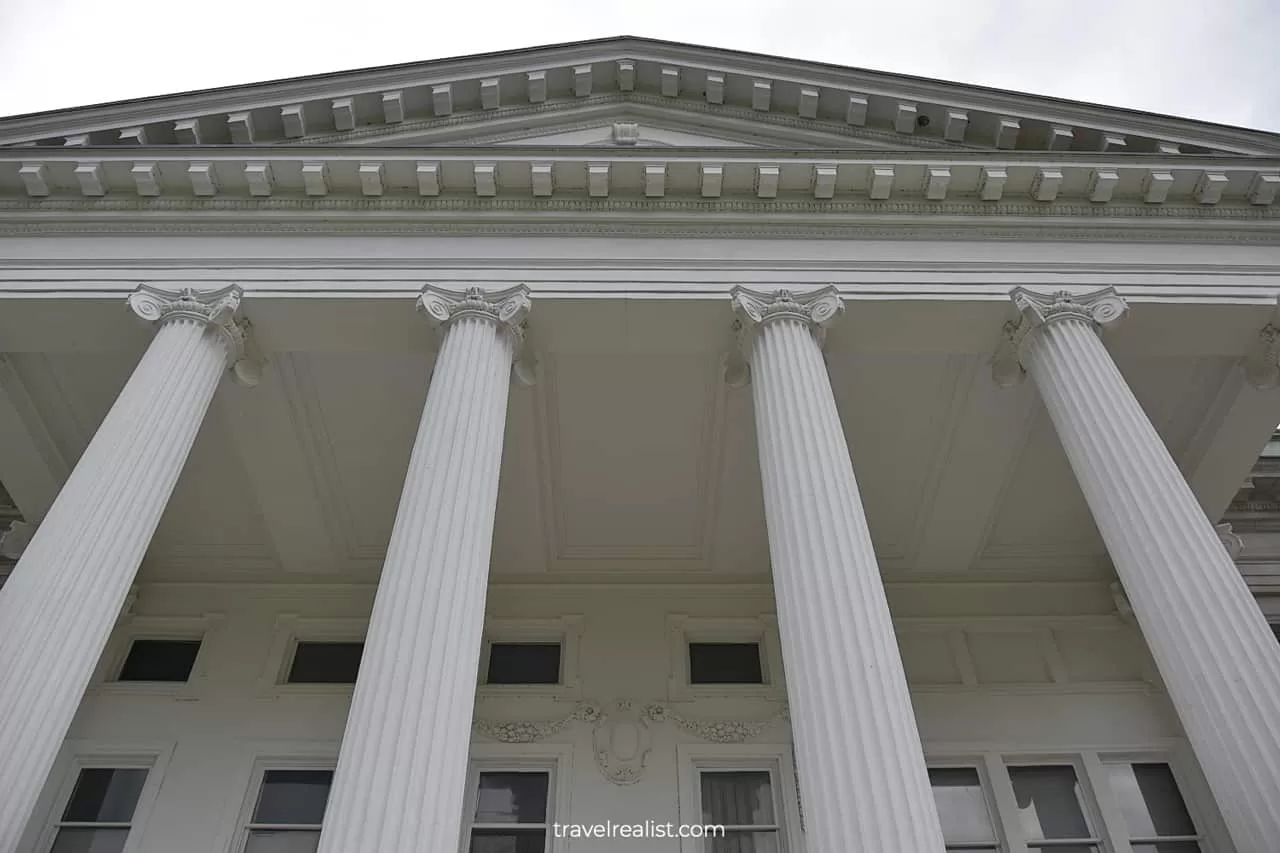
pixel 647 829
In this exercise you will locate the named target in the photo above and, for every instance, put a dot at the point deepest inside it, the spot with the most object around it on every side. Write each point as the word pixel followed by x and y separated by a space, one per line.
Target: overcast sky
pixel 1217 60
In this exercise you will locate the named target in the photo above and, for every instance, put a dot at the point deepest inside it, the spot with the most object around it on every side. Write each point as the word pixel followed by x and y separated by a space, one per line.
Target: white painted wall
pixel 1050 668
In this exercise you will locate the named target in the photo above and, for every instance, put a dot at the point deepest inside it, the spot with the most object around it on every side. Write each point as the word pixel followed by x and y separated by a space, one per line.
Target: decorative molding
pixel 1261 364
pixel 15 538
pixel 565 630
pixel 215 309
pixel 1231 540
pixel 1102 308
pixel 532 731
pixel 761 629
pixel 817 309
pixel 507 309
pixel 716 730
pixel 621 742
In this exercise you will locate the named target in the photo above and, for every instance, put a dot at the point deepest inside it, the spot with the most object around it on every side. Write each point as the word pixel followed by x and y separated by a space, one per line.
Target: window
pixel 1154 813
pixel 99 814
pixel 287 814
pixel 736 658
pixel 159 660
pixel 523 663
pixel 963 809
pixel 511 812
pixel 1051 809
pixel 325 663
pixel 725 663
pixel 1275 629
pixel 742 801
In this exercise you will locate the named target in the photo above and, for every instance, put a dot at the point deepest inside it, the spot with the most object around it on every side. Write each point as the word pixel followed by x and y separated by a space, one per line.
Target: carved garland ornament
pixel 716 731
pixel 215 309
pixel 752 309
pixel 1100 308
pixel 532 731
pixel 507 309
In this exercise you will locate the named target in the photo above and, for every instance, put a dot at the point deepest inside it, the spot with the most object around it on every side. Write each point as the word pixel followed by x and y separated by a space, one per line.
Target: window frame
pixel 1090 802
pixel 566 630
pixel 205 629
pixel 1097 762
pixel 693 759
pixel 975 762
pixel 284 756
pixel 762 630
pixel 290 629
pixel 554 759
pixel 81 755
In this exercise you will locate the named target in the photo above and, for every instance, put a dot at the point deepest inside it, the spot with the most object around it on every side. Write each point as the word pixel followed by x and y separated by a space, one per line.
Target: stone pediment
pixel 577 94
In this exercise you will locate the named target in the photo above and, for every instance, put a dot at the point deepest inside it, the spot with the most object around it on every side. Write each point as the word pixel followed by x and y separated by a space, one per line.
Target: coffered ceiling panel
pixel 357 414
pixel 519 537
pixel 629 453
pixel 740 543
pixel 898 412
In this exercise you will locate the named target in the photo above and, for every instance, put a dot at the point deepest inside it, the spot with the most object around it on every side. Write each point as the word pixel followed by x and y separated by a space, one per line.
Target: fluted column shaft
pixel 64 597
pixel 1212 646
pixel 859 758
pixel 399 784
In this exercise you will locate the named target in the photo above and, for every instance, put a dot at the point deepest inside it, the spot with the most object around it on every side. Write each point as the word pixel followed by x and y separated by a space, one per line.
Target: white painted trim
pixel 762 629
pixel 290 629
pixel 207 629
pixel 77 755
pixel 557 759
pixel 268 755
pixel 772 757
pixel 566 630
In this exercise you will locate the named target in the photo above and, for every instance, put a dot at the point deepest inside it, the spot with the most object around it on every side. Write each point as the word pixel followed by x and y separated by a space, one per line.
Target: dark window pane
pixel 512 798
pixel 1148 798
pixel 508 840
pixel 524 663
pixel 1167 847
pixel 102 795
pixel 737 798
pixel 75 840
pixel 160 660
pixel 282 841
pixel 1275 629
pixel 325 663
pixel 1066 848
pixel 1048 800
pixel 725 663
pixel 293 796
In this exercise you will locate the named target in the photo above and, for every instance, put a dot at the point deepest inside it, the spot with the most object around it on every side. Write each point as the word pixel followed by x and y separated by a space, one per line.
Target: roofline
pixel 624 41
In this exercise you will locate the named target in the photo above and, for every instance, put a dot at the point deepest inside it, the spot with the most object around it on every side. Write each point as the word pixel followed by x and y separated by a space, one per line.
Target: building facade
pixel 600 446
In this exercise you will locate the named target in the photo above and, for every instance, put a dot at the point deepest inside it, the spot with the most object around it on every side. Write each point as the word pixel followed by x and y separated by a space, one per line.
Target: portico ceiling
pixel 630 458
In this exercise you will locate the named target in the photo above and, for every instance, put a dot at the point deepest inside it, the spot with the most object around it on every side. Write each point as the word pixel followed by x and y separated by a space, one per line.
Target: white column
pixel 64 597
pixel 1215 653
pixel 858 752
pixel 402 768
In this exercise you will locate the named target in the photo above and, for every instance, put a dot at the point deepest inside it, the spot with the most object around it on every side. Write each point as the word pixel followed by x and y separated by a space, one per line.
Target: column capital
pixel 1100 308
pixel 216 309
pixel 507 309
pixel 1261 364
pixel 752 309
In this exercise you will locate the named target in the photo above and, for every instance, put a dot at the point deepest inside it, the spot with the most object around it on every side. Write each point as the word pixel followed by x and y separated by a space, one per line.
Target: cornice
pixel 829 87
pixel 326 227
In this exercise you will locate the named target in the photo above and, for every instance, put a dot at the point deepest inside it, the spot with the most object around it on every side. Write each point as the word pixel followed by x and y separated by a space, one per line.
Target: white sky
pixel 1217 60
